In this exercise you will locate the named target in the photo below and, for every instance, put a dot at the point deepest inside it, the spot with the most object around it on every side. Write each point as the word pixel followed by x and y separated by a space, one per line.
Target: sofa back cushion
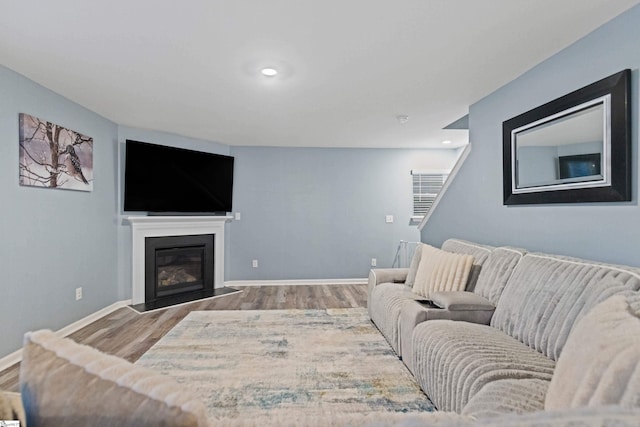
pixel 65 383
pixel 413 267
pixel 547 294
pixel 600 363
pixel 496 271
pixel 440 270
pixel 479 252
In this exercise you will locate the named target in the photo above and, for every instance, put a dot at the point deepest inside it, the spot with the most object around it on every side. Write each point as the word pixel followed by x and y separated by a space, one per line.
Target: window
pixel 426 186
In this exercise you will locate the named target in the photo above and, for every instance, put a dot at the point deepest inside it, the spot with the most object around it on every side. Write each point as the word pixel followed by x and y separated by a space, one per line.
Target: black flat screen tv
pixel 579 165
pixel 161 179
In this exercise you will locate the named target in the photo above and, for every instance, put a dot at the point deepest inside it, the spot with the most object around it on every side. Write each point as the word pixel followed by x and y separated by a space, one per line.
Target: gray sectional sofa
pixel 509 360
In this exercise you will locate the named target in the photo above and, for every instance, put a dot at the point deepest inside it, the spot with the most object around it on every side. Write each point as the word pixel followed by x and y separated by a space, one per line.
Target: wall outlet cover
pixel 389 219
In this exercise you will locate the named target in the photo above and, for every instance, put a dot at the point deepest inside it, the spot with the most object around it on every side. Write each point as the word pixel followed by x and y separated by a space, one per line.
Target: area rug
pixel 270 362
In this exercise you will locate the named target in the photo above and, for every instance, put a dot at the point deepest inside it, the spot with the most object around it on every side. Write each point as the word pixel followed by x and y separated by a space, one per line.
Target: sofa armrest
pixel 385 275
pixel 461 306
pixel 481 317
pixel 461 301
pixel 64 383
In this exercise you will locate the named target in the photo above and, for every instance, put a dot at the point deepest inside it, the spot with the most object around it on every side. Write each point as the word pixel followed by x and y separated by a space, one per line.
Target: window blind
pixel 426 187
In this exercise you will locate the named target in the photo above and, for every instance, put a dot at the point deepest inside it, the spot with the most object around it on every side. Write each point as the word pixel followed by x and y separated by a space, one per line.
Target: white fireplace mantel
pixel 160 226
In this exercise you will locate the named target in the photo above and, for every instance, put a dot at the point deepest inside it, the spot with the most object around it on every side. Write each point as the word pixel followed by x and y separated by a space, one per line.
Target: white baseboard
pixel 75 326
pixel 16 356
pixel 302 282
pixel 10 360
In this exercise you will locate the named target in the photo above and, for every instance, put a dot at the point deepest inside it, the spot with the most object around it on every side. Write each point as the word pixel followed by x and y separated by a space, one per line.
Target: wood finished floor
pixel 129 335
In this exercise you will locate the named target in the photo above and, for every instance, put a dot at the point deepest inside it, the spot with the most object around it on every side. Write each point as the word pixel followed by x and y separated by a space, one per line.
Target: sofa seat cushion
pixel 384 307
pixel 68 384
pixel 413 313
pixel 606 416
pixel 507 397
pixel 600 364
pixel 453 361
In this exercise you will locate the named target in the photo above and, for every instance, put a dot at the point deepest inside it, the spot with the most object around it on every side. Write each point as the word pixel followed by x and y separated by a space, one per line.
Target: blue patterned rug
pixel 269 362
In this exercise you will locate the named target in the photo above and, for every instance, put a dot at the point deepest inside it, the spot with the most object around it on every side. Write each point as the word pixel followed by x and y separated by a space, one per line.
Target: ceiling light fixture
pixel 446 142
pixel 269 72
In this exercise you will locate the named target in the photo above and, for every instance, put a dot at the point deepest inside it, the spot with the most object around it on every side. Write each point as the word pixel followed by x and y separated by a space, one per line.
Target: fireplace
pixel 174 291
pixel 176 265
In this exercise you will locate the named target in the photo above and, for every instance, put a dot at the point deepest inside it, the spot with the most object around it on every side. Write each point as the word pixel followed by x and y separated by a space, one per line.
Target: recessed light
pixel 269 72
pixel 446 142
pixel 402 118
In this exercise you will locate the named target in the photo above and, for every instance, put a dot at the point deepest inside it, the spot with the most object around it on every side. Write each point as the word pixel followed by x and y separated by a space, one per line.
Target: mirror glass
pixel 567 150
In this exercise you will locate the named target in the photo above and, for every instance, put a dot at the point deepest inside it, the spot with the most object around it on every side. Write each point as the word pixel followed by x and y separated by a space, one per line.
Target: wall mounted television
pixel 165 180
pixel 579 165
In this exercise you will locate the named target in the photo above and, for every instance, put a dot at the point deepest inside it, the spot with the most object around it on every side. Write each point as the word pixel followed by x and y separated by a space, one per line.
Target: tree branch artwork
pixel 53 156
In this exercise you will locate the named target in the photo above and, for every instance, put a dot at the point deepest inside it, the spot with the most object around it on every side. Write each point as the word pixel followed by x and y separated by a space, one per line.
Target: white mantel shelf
pixel 160 226
pixel 178 220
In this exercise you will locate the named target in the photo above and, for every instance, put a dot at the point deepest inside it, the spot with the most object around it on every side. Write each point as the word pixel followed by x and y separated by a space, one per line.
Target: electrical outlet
pixel 238 216
pixel 389 219
pixel 254 263
pixel 374 262
pixel 78 294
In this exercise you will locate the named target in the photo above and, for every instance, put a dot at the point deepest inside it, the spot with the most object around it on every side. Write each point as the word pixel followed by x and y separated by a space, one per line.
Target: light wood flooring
pixel 129 335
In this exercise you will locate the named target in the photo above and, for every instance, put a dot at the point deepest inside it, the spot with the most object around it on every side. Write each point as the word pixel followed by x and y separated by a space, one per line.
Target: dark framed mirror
pixel 574 149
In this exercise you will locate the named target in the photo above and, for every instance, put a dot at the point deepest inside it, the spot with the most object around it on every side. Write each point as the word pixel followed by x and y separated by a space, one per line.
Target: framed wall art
pixel 53 156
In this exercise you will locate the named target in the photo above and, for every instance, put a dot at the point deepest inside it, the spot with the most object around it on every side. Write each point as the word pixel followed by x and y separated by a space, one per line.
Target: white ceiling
pixel 347 67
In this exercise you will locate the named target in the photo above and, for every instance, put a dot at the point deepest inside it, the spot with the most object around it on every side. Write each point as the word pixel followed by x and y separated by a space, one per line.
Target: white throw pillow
pixel 441 271
pixel 600 363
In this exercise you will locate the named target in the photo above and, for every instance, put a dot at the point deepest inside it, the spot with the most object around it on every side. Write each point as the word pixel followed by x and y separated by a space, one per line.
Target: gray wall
pixel 472 207
pixel 320 213
pixel 305 213
pixel 124 229
pixel 53 240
